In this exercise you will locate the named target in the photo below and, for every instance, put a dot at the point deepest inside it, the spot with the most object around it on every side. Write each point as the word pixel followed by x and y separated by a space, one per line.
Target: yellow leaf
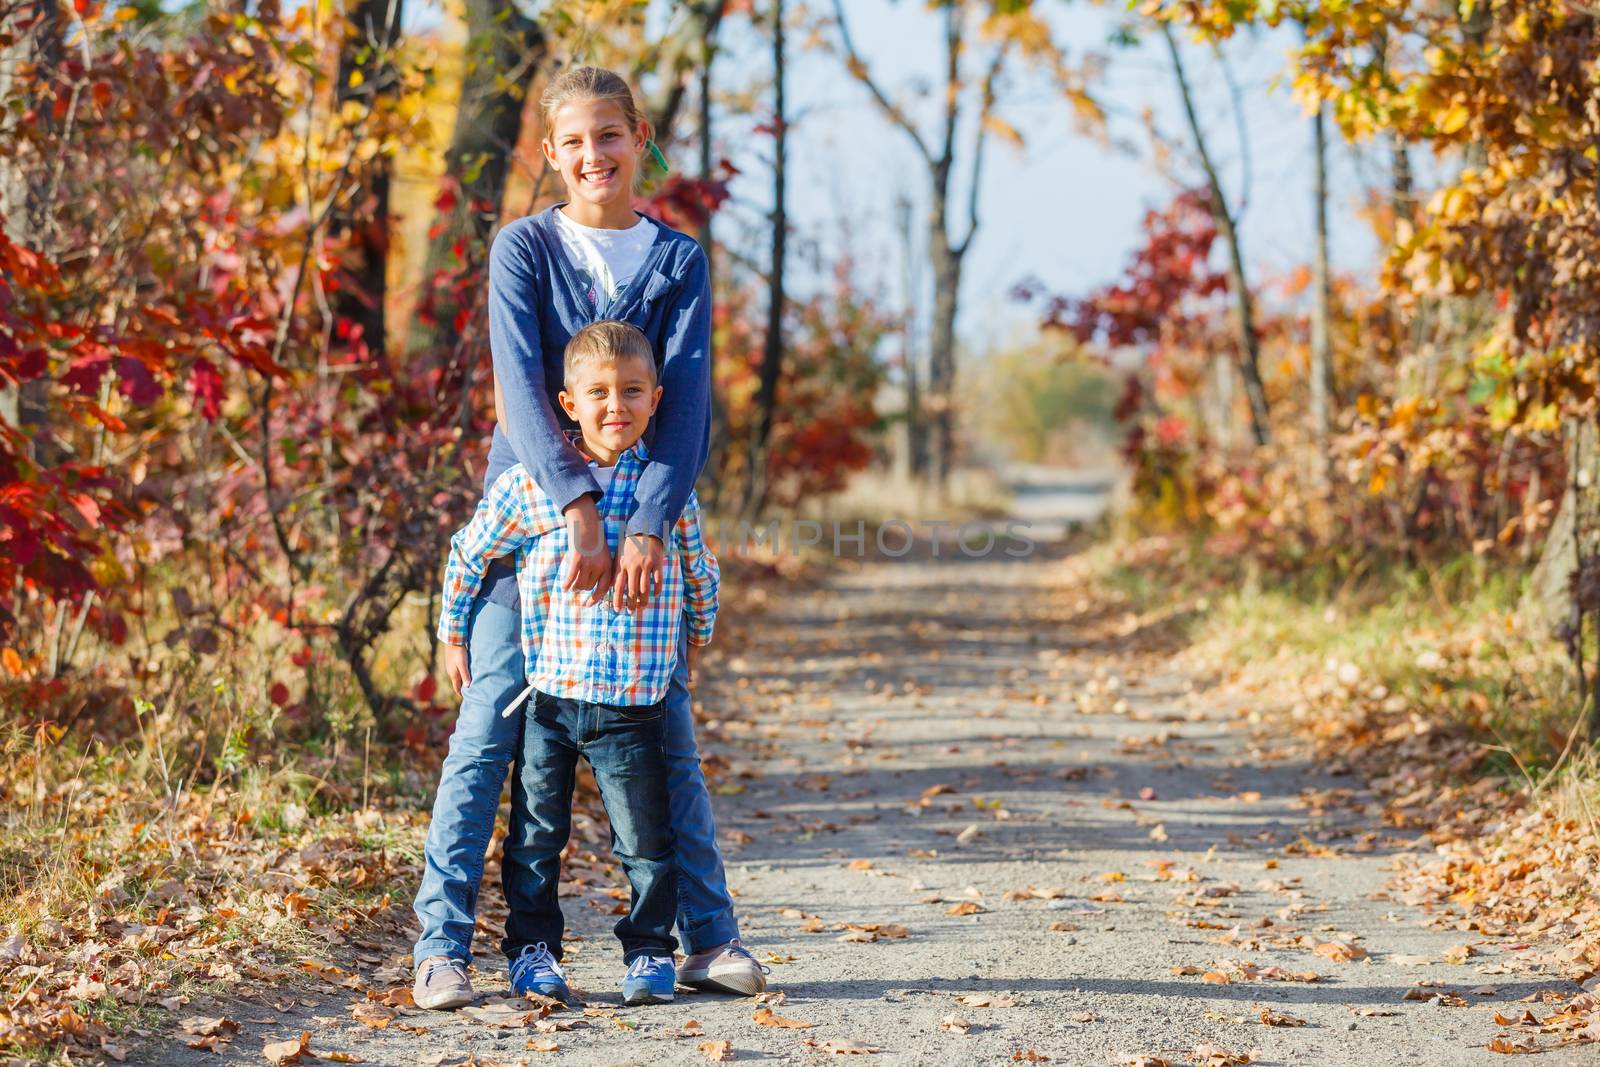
pixel 1454 119
pixel 1002 129
pixel 356 78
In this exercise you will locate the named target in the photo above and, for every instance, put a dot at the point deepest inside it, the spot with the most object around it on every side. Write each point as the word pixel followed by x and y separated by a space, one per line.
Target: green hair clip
pixel 655 153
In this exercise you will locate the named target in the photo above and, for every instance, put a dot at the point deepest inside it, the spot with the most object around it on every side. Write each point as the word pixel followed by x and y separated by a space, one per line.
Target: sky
pixel 1066 208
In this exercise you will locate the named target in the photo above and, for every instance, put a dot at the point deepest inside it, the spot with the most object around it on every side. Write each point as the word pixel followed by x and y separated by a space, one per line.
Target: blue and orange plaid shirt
pixel 572 650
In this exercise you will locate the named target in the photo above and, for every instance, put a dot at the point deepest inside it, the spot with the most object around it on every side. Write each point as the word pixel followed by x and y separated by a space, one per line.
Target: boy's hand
pixel 638 572
pixel 588 562
pixel 455 667
pixel 692 660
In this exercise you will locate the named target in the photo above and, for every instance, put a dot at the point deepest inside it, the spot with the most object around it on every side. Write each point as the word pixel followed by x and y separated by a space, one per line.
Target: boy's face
pixel 612 401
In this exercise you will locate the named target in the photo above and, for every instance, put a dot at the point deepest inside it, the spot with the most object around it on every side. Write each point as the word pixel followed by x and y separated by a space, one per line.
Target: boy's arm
pixel 506 520
pixel 683 419
pixel 701 576
pixel 522 402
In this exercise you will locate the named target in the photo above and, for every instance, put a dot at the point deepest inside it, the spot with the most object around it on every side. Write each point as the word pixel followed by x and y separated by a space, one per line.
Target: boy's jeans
pixel 482 750
pixel 623 745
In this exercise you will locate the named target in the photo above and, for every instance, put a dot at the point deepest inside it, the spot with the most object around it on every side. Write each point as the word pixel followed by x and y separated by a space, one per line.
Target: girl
pixel 550 275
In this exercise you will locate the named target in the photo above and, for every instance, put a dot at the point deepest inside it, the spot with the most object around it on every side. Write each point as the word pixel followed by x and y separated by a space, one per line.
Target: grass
pixel 1442 640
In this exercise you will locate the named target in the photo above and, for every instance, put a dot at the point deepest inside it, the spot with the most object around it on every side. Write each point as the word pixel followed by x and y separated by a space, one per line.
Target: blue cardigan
pixel 537 301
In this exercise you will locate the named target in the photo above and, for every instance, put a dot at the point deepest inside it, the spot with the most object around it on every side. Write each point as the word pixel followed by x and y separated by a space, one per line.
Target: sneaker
pixel 725 969
pixel 649 980
pixel 442 983
pixel 536 971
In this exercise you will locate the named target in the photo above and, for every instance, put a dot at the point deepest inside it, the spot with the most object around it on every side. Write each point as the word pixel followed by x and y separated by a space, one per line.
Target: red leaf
pixel 279 694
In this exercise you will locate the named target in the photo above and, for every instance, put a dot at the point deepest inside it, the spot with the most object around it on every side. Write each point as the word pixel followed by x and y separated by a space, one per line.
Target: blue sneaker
pixel 650 980
pixel 536 971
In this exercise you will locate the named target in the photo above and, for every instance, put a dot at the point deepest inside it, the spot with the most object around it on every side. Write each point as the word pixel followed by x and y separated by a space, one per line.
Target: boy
pixel 597 676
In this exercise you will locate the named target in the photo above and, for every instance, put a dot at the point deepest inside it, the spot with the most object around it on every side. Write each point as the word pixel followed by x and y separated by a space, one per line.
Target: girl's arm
pixel 522 402
pixel 701 576
pixel 683 420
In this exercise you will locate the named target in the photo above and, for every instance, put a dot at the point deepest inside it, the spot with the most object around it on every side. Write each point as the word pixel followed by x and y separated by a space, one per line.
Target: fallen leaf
pixel 842 1048
pixel 1217 1056
pixel 1147 1061
pixel 1340 951
pixel 966 907
pixel 860 865
pixel 955 1024
pixel 987 1000
pixel 1458 955
pixel 1514 1046
pixel 765 1017
pixel 1029 1056
pixel 207 1026
pixel 376 1016
pixel 291 1051
pixel 717 1051
pixel 506 1016
pixel 1272 1018
pixel 1063 927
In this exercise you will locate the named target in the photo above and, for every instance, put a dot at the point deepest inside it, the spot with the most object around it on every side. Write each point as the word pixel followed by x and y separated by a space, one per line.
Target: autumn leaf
pixel 1340 951
pixel 766 1017
pixel 376 1016
pixel 987 1000
pixel 966 907
pixel 291 1051
pixel 1217 1056
pixel 1029 1056
pixel 717 1051
pixel 955 1024
pixel 207 1026
pixel 842 1048
pixel 1514 1046
pixel 1273 1018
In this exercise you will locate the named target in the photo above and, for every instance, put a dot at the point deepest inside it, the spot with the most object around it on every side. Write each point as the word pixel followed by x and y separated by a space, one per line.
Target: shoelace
pixel 537 956
pixel 736 949
pixel 450 965
pixel 643 965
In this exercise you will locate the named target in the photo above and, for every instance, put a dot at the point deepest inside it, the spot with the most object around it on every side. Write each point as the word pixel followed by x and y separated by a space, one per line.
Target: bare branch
pixel 858 70
pixel 985 110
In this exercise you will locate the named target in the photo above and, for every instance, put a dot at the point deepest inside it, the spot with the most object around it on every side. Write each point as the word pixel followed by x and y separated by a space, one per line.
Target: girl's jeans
pixel 481 752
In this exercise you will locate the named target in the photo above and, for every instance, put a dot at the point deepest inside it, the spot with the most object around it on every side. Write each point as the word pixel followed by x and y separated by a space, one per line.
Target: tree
pixel 504 49
pixel 1249 341
pixel 939 156
pixel 777 302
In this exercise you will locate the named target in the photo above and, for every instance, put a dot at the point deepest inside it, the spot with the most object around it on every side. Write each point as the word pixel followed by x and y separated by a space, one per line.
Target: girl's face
pixel 595 152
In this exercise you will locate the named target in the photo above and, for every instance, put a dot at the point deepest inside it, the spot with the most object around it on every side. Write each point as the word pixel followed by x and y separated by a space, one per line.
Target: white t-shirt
pixel 609 257
pixel 602 475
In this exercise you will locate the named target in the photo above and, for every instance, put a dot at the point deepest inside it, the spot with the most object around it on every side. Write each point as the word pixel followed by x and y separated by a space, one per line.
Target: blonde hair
pixel 607 341
pixel 591 83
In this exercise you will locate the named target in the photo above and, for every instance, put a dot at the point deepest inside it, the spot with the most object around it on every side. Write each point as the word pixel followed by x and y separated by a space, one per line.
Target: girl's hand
pixel 455 667
pixel 638 572
pixel 588 562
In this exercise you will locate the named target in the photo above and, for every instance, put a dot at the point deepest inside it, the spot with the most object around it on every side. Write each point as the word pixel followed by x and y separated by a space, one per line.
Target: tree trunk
pixel 1322 298
pixel 367 50
pixel 940 406
pixel 772 349
pixel 1243 302
pixel 504 48
pixel 916 456
pixel 1548 603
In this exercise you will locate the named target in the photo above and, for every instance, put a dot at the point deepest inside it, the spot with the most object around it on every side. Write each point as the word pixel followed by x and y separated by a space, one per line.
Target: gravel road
pixel 972 821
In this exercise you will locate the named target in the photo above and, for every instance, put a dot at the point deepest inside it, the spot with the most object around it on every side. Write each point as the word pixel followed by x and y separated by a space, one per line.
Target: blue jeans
pixel 482 750
pixel 623 745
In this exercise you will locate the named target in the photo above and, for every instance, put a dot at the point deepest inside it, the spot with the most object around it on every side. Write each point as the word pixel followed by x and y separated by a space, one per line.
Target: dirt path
pixel 956 780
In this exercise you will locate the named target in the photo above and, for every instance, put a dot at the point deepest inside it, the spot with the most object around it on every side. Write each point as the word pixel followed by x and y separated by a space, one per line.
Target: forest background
pixel 245 378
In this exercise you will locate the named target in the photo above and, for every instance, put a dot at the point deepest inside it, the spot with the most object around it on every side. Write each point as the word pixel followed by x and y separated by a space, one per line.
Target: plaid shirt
pixel 588 653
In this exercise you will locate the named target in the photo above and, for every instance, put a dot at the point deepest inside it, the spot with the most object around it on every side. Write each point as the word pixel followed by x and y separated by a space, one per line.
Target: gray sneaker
pixel 727 968
pixel 442 983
